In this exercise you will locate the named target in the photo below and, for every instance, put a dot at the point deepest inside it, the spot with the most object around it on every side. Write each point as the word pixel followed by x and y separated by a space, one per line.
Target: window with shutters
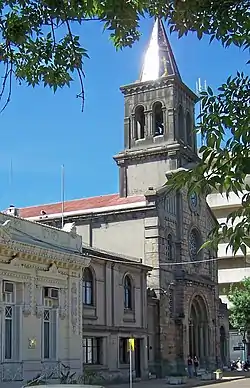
pixel 11 324
pixel 49 331
pixel 92 350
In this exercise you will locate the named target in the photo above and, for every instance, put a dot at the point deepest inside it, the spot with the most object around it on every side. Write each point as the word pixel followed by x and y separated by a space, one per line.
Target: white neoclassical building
pixel 40 299
pixel 63 304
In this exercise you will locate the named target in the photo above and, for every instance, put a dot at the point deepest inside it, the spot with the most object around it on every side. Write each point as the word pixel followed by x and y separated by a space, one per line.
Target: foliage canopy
pixel 38 46
pixel 239 296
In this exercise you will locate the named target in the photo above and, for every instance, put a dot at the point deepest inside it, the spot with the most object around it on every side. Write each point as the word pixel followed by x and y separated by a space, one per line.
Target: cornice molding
pixel 162 82
pixel 109 213
pixel 138 87
pixel 32 255
pixel 163 150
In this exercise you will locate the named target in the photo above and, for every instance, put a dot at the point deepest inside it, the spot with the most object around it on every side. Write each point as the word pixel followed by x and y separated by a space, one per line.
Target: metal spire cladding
pixel 159 59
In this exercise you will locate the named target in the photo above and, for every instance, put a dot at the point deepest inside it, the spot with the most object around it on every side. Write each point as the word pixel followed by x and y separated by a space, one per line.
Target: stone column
pixel 144 357
pixel 197 342
pixel 193 340
pixel 165 128
pixel 171 124
pixel 149 124
pixel 202 353
pixel 133 127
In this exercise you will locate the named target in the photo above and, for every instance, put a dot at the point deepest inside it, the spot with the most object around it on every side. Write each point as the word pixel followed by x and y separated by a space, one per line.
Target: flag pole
pixel 62 193
pixel 11 179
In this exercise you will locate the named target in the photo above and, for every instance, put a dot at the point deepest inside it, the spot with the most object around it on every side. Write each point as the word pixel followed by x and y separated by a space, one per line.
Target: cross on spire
pixel 159 59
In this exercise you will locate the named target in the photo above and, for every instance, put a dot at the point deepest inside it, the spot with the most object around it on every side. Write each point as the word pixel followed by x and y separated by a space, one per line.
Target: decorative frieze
pixel 74 314
pixel 63 307
pixel 28 298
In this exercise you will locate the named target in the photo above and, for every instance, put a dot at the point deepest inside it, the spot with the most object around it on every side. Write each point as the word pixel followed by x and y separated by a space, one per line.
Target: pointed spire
pixel 159 59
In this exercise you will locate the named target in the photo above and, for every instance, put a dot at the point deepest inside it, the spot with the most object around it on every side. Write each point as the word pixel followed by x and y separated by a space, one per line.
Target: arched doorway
pixel 223 345
pixel 198 330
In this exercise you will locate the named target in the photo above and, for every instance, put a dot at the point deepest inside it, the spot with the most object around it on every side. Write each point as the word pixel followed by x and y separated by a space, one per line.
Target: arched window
pixel 189 131
pixel 169 247
pixel 88 287
pixel 194 244
pixel 139 123
pixel 127 292
pixel 181 123
pixel 158 123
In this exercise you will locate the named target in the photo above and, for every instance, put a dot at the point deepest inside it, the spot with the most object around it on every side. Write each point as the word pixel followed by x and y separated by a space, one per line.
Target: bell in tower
pixel 159 120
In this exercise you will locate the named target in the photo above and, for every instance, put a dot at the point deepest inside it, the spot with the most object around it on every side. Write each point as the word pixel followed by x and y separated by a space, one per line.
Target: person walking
pixel 190 367
pixel 196 366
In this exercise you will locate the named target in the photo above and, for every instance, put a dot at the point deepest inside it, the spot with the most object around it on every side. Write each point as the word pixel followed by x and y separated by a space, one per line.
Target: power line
pixel 127 261
pixel 193 261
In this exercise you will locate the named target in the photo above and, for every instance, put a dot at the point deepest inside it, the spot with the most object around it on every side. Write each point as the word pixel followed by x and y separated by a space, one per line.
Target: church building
pixel 146 220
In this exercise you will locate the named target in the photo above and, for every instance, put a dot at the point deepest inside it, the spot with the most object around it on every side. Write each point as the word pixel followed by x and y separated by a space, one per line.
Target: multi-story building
pixel 231 269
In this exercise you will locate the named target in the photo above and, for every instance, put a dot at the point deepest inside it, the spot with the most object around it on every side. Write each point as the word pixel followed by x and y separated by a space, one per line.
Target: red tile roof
pixel 80 204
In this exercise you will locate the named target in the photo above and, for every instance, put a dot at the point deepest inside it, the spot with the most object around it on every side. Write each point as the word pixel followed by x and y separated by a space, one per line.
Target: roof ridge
pixel 36 223
pixel 70 200
pixel 83 204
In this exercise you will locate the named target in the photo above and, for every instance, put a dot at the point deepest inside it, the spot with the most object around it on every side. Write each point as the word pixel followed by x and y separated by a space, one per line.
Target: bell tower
pixel 158 122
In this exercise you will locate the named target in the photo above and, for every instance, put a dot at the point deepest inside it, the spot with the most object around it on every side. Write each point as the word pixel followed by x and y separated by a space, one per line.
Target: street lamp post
pixel 244 348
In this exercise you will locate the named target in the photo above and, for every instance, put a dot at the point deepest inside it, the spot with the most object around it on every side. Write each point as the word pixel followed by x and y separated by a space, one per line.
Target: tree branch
pixel 79 71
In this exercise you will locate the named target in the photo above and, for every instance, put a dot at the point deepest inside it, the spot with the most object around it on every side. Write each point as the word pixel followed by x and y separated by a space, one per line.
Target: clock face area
pixel 193 201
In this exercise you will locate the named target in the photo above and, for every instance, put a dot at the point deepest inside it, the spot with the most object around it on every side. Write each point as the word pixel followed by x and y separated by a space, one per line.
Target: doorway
pixel 138 357
pixel 199 345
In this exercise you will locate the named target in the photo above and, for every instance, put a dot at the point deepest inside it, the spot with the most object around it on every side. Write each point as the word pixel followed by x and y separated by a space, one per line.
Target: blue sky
pixel 40 131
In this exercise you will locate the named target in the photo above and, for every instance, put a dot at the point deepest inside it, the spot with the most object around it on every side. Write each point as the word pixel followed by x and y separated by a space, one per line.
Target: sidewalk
pixel 161 383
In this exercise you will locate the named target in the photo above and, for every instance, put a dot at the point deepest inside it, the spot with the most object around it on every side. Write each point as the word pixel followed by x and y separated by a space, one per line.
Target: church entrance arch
pixel 198 330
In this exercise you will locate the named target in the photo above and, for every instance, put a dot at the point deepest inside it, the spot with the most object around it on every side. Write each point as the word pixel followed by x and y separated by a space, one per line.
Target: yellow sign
pixel 131 344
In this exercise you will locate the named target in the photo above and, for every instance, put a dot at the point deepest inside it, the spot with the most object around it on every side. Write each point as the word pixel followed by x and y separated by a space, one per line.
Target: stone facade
pixel 144 162
pixel 176 278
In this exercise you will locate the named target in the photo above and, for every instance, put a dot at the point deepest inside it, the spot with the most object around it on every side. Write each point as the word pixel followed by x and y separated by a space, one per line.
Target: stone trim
pixel 139 87
pixel 113 329
pixel 41 255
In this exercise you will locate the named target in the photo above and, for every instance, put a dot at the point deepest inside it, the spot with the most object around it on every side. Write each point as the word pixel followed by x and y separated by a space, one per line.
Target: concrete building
pixel 46 279
pixel 231 269
pixel 145 220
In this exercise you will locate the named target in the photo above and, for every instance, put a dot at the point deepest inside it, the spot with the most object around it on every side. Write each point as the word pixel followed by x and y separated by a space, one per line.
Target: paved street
pixel 239 382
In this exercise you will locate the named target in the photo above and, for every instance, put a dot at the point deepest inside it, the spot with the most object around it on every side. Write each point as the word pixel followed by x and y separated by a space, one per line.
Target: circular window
pixel 194 243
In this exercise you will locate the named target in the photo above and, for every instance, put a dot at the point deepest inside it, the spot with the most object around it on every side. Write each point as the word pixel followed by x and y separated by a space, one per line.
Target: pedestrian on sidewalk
pixel 196 366
pixel 190 366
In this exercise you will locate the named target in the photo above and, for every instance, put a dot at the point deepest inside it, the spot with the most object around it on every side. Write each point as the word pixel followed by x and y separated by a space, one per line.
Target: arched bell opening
pixel 158 122
pixel 139 123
